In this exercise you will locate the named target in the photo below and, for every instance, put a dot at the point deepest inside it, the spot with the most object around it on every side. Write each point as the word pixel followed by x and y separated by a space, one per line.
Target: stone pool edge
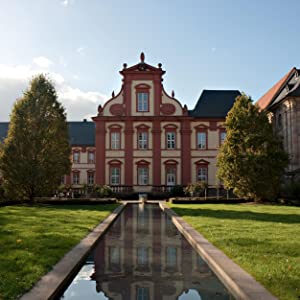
pixel 51 284
pixel 239 283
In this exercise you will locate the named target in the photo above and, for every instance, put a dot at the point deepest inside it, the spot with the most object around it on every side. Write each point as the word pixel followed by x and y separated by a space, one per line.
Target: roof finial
pixel 173 94
pixel 142 57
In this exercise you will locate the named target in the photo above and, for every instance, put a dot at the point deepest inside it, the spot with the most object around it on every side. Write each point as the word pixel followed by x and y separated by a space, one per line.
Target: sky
pixel 82 45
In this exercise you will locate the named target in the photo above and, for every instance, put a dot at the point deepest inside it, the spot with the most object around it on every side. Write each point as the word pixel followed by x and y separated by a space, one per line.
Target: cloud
pixel 65 3
pixel 14 80
pixel 80 50
pixel 42 61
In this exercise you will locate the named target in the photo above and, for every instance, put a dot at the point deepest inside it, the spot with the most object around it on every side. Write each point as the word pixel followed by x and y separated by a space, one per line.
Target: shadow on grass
pixel 238 215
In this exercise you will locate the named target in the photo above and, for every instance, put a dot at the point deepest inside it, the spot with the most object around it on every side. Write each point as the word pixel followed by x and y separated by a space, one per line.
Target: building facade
pixel 146 140
pixel 282 102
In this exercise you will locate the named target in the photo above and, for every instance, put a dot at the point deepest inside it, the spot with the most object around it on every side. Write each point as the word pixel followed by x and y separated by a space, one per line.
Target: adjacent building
pixel 282 102
pixel 144 139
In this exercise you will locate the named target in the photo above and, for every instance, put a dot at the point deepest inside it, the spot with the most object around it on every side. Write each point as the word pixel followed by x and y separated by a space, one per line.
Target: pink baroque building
pixel 146 140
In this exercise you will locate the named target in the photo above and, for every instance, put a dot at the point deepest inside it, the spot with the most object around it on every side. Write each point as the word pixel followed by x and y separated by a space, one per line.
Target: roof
pixel 214 103
pixel 269 96
pixel 3 130
pixel 80 133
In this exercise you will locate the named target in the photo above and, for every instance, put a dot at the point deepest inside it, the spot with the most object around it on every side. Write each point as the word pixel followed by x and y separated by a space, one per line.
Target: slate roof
pixel 214 103
pixel 3 130
pixel 80 133
pixel 271 94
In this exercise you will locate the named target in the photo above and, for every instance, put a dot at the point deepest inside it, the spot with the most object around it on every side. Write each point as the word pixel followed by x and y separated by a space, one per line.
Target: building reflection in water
pixel 144 257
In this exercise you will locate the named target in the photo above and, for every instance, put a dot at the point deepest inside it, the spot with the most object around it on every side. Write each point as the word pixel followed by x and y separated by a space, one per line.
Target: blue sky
pixel 82 44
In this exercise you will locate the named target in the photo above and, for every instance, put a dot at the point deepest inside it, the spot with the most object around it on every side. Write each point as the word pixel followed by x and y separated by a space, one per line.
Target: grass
pixel 34 238
pixel 263 239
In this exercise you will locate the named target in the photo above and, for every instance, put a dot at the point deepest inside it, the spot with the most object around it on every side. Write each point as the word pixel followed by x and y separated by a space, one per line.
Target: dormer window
pixel 143 101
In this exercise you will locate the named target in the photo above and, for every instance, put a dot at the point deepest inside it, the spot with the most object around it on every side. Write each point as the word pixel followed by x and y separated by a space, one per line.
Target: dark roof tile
pixel 214 103
pixel 80 133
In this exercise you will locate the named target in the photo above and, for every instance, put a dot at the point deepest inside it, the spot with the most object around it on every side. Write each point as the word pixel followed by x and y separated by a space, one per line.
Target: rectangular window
pixel 142 99
pixel 114 255
pixel 201 140
pixel 222 137
pixel 115 176
pixel 142 256
pixel 143 293
pixel 202 174
pixel 76 157
pixel 171 140
pixel 91 178
pixel 171 176
pixel 75 179
pixel 171 257
pixel 115 142
pixel 143 175
pixel 143 140
pixel 91 157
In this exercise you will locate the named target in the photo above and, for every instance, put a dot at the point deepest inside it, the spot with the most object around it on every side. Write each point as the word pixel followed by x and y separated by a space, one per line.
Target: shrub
pixel 177 191
pixel 291 190
pixel 196 189
pixel 102 191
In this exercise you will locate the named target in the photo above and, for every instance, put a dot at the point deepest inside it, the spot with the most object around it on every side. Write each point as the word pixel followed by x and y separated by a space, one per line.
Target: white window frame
pixel 201 140
pixel 91 157
pixel 143 175
pixel 75 178
pixel 143 101
pixel 202 173
pixel 143 140
pixel 223 135
pixel 171 139
pixel 76 157
pixel 171 173
pixel 115 175
pixel 115 142
pixel 91 178
pixel 171 256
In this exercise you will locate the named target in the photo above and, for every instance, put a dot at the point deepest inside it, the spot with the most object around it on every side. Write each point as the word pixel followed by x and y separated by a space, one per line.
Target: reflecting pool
pixel 144 257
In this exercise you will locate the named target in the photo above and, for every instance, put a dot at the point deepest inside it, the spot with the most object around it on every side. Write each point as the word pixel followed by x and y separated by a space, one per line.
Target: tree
pixel 251 160
pixel 36 153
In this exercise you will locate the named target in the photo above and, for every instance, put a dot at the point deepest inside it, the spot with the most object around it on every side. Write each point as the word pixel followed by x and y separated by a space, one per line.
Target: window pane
pixel 76 157
pixel 171 176
pixel 202 174
pixel 171 140
pixel 142 101
pixel 143 176
pixel 115 140
pixel 75 178
pixel 142 256
pixel 223 137
pixel 143 140
pixel 142 293
pixel 201 140
pixel 91 157
pixel 90 178
pixel 171 257
pixel 115 176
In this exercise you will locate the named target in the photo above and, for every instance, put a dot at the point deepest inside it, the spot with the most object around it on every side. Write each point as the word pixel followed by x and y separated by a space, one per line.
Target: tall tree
pixel 36 153
pixel 251 160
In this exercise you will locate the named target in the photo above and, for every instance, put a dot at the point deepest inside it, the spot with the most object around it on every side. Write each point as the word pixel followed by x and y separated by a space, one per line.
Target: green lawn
pixel 263 239
pixel 33 239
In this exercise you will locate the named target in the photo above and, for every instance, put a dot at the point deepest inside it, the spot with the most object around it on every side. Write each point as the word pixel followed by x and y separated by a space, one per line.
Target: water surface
pixel 144 257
